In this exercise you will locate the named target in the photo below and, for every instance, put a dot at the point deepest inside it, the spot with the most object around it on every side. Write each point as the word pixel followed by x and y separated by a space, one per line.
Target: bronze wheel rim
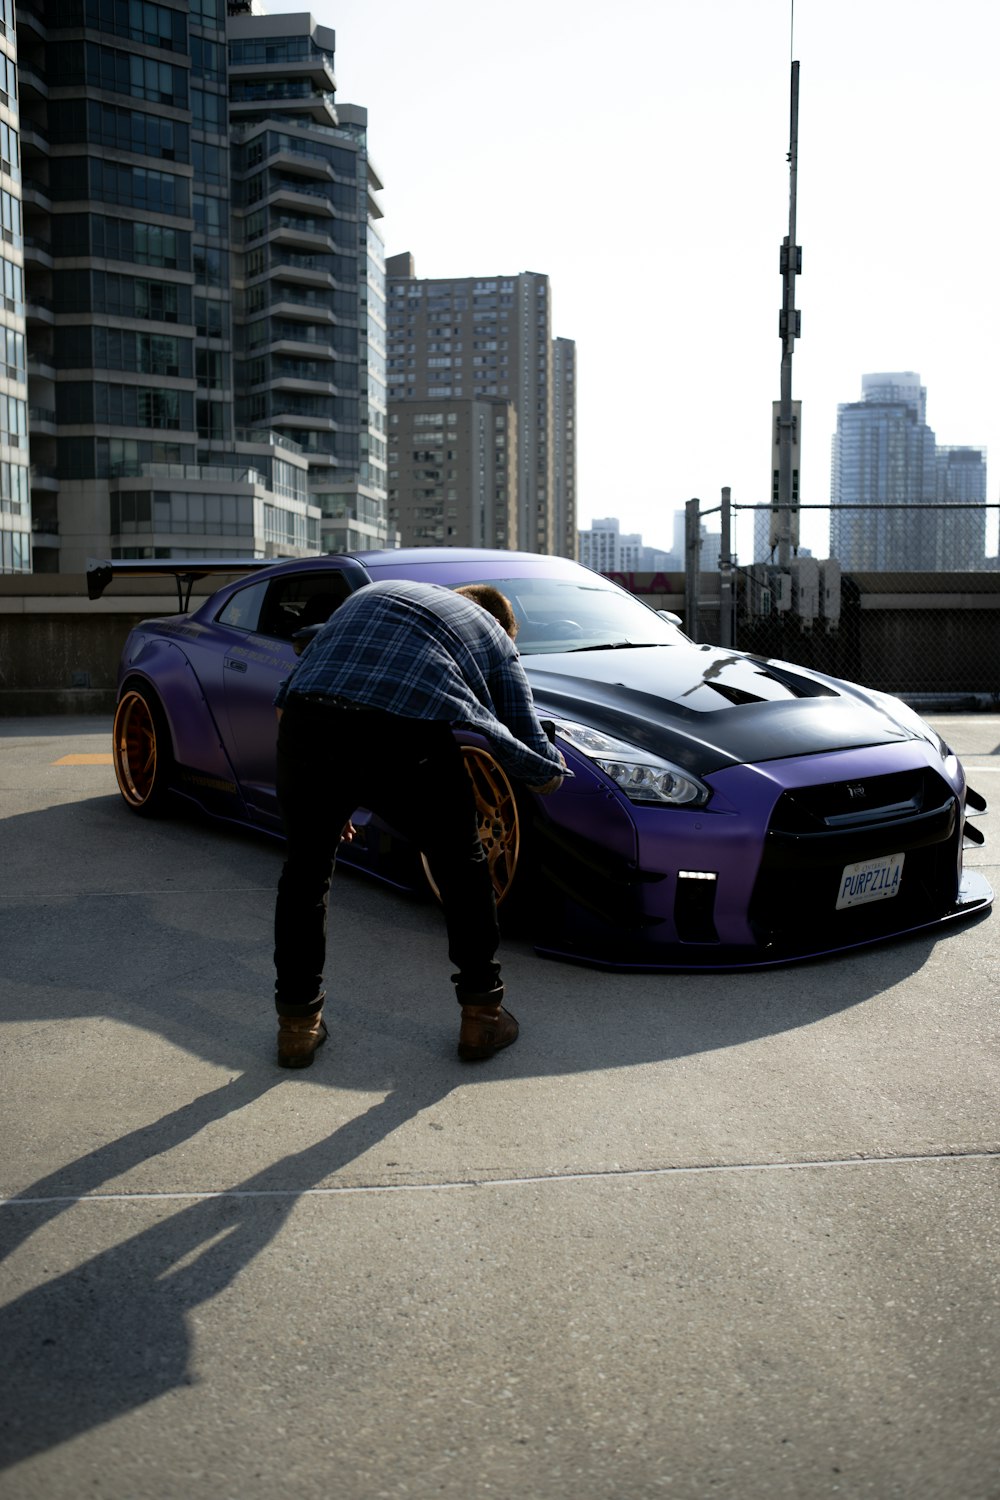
pixel 496 814
pixel 135 751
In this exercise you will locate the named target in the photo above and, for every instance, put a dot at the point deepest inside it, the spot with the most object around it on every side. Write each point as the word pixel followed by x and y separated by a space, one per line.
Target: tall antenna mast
pixel 789 328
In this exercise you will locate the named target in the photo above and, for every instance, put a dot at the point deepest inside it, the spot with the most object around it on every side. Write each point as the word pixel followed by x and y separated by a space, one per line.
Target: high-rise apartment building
pixel 472 339
pixel 204 285
pixel 454 483
pixel 893 489
pixel 310 268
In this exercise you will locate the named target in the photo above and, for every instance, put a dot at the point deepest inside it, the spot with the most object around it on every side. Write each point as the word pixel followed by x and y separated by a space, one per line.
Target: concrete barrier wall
pixel 921 636
pixel 59 650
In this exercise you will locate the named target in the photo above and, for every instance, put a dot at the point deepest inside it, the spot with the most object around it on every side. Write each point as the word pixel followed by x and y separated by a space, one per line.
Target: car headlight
pixel 641 775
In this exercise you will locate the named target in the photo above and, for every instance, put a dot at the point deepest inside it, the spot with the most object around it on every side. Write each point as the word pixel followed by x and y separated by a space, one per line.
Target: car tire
pixel 142 753
pixel 499 821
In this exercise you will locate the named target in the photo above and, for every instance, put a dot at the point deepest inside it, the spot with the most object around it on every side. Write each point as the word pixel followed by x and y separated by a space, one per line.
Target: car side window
pixel 301 599
pixel 243 610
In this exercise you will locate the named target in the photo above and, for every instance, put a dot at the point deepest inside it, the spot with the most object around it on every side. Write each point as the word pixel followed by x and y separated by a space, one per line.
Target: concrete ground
pixel 695 1235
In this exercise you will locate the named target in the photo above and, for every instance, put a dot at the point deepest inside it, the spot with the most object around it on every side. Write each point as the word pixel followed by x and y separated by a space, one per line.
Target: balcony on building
pixel 44 479
pixel 285 304
pixel 305 163
pixel 37 251
pixel 41 421
pixel 251 101
pixel 312 68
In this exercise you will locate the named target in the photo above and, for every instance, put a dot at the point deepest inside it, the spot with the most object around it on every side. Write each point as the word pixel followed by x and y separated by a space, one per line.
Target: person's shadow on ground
pixel 111 1334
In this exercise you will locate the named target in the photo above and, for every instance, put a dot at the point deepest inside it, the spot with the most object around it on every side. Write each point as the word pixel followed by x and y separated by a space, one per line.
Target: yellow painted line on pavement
pixel 84 760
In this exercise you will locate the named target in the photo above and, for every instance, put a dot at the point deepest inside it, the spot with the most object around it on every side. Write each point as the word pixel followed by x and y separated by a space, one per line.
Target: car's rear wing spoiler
pixel 185 573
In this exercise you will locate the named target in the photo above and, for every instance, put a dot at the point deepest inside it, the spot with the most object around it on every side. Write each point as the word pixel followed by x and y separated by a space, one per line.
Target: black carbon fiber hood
pixel 704 707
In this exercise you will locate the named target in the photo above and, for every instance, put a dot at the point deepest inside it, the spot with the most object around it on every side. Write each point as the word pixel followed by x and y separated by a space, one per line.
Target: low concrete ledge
pixel 59 650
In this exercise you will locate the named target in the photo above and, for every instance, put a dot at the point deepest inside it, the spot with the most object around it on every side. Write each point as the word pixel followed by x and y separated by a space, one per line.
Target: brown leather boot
pixel 486 1027
pixel 298 1039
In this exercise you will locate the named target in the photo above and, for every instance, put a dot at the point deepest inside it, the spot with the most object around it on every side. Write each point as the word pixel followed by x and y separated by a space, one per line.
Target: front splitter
pixel 975 896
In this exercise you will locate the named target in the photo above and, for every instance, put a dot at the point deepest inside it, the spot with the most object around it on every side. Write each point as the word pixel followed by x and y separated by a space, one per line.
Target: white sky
pixel 636 153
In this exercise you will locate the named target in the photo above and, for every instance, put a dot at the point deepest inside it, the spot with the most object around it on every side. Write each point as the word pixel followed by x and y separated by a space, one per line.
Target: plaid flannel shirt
pixel 425 652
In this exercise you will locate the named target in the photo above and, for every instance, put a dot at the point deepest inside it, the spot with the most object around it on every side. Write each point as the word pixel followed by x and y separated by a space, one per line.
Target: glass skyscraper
pixel 899 502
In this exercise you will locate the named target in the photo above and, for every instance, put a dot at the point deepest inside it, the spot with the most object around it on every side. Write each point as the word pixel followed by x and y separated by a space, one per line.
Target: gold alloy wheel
pixel 499 825
pixel 135 750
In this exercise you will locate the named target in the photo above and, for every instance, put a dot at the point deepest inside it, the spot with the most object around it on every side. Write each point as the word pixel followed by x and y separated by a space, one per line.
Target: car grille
pixel 815 832
pixel 854 804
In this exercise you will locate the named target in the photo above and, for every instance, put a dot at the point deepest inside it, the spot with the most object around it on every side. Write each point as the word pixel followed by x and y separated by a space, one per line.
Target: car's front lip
pixel 974 898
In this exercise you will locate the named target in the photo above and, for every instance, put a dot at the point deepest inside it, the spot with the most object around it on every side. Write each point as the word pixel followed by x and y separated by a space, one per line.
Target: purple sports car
pixel 726 810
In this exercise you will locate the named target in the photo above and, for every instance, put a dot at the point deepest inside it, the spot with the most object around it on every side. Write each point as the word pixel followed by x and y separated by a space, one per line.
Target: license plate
pixel 870 880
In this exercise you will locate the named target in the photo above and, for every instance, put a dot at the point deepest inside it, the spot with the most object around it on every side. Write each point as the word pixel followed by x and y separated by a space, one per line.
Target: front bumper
pixel 753 880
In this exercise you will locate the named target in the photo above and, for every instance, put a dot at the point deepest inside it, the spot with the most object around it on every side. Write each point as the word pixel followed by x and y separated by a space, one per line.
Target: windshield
pixel 580 614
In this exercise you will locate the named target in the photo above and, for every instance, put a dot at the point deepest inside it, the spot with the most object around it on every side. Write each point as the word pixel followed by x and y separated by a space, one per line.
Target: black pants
pixel 409 772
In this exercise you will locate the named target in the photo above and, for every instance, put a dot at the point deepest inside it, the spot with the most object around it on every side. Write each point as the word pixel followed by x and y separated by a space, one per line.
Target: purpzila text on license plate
pixel 870 880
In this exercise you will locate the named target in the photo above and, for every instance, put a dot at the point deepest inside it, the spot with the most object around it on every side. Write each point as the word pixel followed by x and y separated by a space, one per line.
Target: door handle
pixel 235 665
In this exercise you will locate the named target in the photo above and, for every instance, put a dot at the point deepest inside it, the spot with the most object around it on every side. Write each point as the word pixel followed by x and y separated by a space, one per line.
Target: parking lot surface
pixel 729 1235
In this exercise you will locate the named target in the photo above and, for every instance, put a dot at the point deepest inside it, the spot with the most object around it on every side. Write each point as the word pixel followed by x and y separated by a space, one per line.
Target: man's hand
pixel 550 786
pixel 554 784
pixel 348 832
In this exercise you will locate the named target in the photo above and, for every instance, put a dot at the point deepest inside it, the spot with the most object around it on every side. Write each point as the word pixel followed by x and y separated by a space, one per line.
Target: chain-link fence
pixel 817 587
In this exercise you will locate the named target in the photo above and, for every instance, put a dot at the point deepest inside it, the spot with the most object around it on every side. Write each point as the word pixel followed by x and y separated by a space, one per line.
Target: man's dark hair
pixel 495 603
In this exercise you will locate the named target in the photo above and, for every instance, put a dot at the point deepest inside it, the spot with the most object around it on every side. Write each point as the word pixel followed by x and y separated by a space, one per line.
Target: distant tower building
pixel 884 457
pixel 469 339
pixel 959 536
pixel 606 549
